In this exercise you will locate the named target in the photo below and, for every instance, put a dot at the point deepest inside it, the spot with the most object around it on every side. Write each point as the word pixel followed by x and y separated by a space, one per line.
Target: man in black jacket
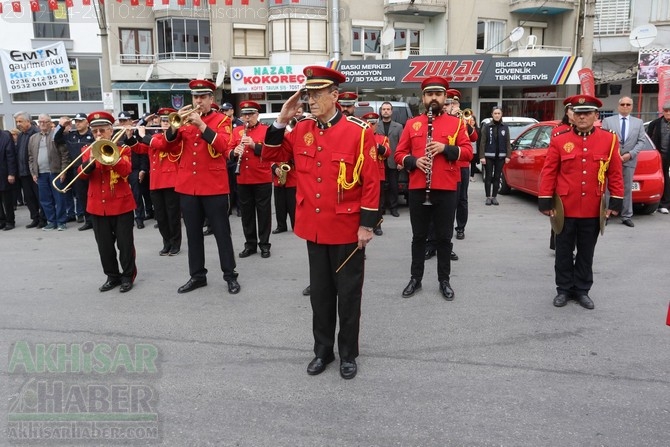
pixel 659 132
pixel 30 192
pixel 8 172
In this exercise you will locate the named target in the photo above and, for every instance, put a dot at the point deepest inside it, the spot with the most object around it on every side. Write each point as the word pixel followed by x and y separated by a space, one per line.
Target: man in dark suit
pixel 659 132
pixel 630 131
pixel 391 130
pixel 8 172
pixel 30 192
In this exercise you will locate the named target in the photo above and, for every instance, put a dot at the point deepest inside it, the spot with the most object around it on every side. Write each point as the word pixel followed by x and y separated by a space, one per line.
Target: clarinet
pixel 429 156
pixel 239 159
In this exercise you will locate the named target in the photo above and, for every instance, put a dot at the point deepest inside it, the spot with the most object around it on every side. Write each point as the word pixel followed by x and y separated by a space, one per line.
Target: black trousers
pixel 284 206
pixel 7 202
pixel 380 207
pixel 81 193
pixel 492 172
pixel 335 294
pixel 110 230
pixel 215 208
pixel 441 213
pixel 168 216
pixel 462 206
pixel 134 181
pixel 31 197
pixel 256 202
pixel 391 189
pixel 576 276
pixel 665 200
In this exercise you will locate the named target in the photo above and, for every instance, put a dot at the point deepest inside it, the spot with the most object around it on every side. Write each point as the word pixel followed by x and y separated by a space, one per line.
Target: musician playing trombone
pixel 430 151
pixel 111 205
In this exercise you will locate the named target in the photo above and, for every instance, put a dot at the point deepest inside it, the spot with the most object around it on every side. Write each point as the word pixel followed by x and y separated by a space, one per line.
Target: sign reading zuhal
pixel 37 69
pixel 89 392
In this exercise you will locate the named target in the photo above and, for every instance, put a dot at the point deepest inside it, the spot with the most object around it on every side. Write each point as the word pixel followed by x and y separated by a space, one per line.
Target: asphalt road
pixel 497 366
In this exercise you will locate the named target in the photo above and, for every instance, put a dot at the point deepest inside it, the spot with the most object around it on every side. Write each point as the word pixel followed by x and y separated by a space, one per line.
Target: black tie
pixel 623 129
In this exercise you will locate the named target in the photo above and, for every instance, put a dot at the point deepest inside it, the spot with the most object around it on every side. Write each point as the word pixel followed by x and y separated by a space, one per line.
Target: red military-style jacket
pixel 325 212
pixel 202 156
pixel 162 163
pixel 473 136
pixel 412 145
pixel 253 169
pixel 384 141
pixel 571 170
pixel 109 193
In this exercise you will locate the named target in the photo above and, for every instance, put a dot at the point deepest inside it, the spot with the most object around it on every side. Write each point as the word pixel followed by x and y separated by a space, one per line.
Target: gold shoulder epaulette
pixel 358 121
pixel 561 132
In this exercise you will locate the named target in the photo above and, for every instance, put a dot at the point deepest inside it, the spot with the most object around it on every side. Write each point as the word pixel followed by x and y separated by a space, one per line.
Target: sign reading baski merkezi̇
pixel 37 69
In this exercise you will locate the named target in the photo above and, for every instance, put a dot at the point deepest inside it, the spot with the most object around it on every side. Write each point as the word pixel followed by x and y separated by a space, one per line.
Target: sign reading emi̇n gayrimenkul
pixel 36 69
pixel 88 392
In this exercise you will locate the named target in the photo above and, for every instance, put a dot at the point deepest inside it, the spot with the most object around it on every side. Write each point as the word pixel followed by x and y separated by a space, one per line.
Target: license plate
pixel 636 186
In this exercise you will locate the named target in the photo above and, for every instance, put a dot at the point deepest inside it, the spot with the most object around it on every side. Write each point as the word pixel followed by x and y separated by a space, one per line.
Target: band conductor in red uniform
pixel 336 209
pixel 110 204
pixel 582 160
pixel 201 144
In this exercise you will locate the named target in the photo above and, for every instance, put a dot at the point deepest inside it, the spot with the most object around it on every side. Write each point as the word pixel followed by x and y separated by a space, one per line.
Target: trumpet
pixel 105 152
pixel 284 169
pixel 465 114
pixel 177 119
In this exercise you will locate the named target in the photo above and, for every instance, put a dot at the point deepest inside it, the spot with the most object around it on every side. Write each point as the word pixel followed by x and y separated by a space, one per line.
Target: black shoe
pixel 447 291
pixel 33 224
pixel 165 251
pixel 80 219
pixel 192 284
pixel 494 201
pixel 238 213
pixel 140 224
pixel 174 251
pixel 8 227
pixel 412 287
pixel 109 285
pixel 560 300
pixel 628 223
pixel 279 230
pixel 430 252
pixel 460 234
pixel 348 369
pixel 86 226
pixel 247 252
pixel 71 219
pixel 453 256
pixel 207 232
pixel 585 301
pixel 42 224
pixel 318 365
pixel 265 252
pixel 394 212
pixel 149 216
pixel 378 231
pixel 307 291
pixel 126 286
pixel 233 286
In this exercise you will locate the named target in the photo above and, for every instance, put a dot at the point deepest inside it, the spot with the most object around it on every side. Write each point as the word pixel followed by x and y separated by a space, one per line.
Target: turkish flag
pixel 16 6
pixel 150 3
pixel 166 2
pixel 587 81
pixel 229 2
pixel 0 7
pixel 212 2
pixel 34 6
pixel 181 2
pixel 53 5
pixel 663 85
pixel 134 2
pixel 196 2
pixel 69 3
pixel 86 2
pixel 245 2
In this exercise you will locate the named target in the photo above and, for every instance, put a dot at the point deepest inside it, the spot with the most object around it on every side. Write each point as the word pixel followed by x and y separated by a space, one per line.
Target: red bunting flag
pixel 69 3
pixel 53 5
pixel 86 2
pixel 0 7
pixel 150 3
pixel 16 6
pixel 181 2
pixel 245 2
pixel 34 6
pixel 212 2
pixel 196 2
pixel 229 2
pixel 134 2
pixel 165 2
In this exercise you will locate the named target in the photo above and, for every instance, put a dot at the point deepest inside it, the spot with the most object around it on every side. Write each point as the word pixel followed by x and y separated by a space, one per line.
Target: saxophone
pixel 283 172
pixel 429 156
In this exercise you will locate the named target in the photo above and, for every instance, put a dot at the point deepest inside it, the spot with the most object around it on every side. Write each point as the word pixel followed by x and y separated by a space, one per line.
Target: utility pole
pixel 587 33
pixel 99 7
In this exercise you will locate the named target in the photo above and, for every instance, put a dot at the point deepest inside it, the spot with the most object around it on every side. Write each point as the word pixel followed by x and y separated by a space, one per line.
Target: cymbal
pixel 558 218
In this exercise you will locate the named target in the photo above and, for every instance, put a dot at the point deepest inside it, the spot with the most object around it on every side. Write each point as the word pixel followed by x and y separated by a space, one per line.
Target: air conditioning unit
pixel 602 90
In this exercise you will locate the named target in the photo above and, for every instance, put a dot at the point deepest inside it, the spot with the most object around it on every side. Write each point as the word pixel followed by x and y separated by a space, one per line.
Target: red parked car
pixel 530 149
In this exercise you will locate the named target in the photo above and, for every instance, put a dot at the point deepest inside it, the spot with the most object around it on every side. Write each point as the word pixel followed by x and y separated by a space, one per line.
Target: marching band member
pixel 201 144
pixel 254 181
pixel 337 197
pixel 383 151
pixel 111 204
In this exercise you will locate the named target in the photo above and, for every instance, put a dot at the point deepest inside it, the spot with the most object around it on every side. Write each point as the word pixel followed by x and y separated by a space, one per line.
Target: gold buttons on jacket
pixel 318 164
pixel 318 180
pixel 584 172
pixel 318 210
pixel 319 148
pixel 318 196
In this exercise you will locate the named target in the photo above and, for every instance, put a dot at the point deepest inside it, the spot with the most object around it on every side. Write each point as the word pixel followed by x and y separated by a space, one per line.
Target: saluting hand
pixel 290 108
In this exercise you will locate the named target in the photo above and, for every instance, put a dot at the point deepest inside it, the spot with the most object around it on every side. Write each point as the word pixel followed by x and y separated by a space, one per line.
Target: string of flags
pixel 53 5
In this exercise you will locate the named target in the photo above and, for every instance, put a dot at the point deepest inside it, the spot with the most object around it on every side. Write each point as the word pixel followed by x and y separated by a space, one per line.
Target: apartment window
pixel 249 42
pixel 365 40
pixel 136 46
pixel 407 40
pixel 490 36
pixel 299 35
pixel 612 17
pixel 660 11
pixel 87 85
pixel 48 24
pixel 183 39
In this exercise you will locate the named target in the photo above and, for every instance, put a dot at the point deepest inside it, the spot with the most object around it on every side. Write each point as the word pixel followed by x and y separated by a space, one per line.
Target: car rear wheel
pixel 504 187
pixel 649 208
